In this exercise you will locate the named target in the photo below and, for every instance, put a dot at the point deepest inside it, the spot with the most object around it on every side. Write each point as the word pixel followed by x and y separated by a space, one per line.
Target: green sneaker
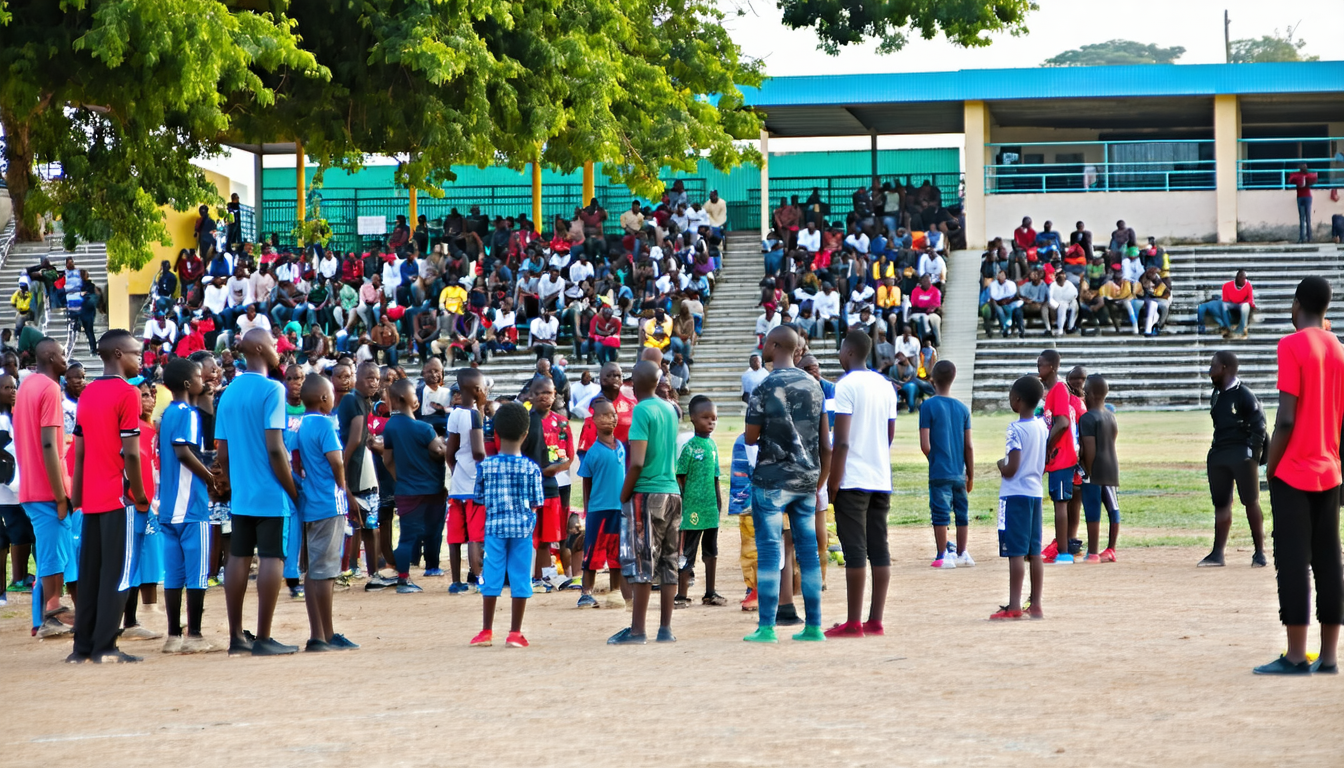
pixel 762 635
pixel 810 634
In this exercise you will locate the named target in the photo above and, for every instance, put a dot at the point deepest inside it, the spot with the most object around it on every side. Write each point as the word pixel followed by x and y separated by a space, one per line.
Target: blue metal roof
pixel 1146 80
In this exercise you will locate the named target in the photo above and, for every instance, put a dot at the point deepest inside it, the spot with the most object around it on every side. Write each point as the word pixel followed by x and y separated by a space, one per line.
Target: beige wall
pixel 1168 216
pixel 1271 214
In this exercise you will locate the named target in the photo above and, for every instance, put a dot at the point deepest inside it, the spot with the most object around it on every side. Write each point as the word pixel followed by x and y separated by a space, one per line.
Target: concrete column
pixel 977 135
pixel 412 216
pixel 118 300
pixel 258 196
pixel 300 195
pixel 1226 133
pixel 589 183
pixel 765 183
pixel 536 195
pixel 873 152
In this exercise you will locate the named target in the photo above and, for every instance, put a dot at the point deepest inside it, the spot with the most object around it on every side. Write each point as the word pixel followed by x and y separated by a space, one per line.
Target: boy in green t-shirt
pixel 698 473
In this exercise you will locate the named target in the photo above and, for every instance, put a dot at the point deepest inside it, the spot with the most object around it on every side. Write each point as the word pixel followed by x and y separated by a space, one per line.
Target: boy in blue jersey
pixel 603 473
pixel 1020 498
pixel 945 439
pixel 184 514
pixel 414 455
pixel 249 436
pixel 739 505
pixel 324 502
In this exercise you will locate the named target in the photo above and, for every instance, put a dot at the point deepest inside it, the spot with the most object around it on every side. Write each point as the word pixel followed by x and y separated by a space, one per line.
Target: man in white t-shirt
pixel 551 289
pixel 465 449
pixel 542 333
pixel 436 399
pixel 860 481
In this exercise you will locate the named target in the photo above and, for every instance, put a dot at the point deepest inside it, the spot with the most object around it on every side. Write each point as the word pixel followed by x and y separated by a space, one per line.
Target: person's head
pixel 1311 301
pixel 293 384
pixel 318 394
pixel 1079 226
pixel 810 366
pixel 780 344
pixel 183 378
pixel 74 380
pixel 1025 395
pixel 610 379
pixel 926 282
pixel 432 372
pixel 148 398
pixel 251 311
pixel 471 383
pixel 1060 277
pixel 342 378
pixel 258 348
pixel 401 397
pixel 1026 222
pixel 9 390
pixel 604 416
pixel 651 355
pixel 1223 368
pixel 644 379
pixel 541 394
pixel 1047 365
pixel 511 423
pixel 854 350
pixel 754 362
pixel 943 374
pixel 1074 381
pixel 1001 276
pixel 368 379
pixel 1094 391
pixel 1302 167
pixel 204 210
pixel 1046 227
pixel 120 352
pixel 704 416
pixel 1240 278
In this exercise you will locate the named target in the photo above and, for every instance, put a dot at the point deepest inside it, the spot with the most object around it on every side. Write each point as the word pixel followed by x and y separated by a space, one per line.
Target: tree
pixel 1115 53
pixel 839 23
pixel 123 95
pixel 1274 47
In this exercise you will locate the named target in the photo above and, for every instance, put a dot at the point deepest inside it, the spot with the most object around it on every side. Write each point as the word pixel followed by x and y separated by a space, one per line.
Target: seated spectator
pixel 926 312
pixel 768 321
pixel 1036 298
pixel 1024 236
pixel 542 334
pixel 1154 300
pixel 581 396
pixel 1063 304
pixel 905 375
pixel 753 376
pixel 810 239
pixel 1155 257
pixel 1121 239
pixel 1119 294
pixel 884 353
pixel 826 307
pixel 860 298
pixel 933 266
pixel 994 260
pixel 858 240
pixel 1239 297
pixel 1131 266
pixel 1004 306
pixel 684 333
pixel 1048 245
pixel 656 332
pixel 679 374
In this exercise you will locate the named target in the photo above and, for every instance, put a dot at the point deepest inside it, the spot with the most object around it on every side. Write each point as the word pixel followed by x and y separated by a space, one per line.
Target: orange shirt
pixel 1311 367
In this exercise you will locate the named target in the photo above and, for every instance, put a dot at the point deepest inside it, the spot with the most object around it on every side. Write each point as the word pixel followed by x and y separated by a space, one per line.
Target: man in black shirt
pixel 1235 457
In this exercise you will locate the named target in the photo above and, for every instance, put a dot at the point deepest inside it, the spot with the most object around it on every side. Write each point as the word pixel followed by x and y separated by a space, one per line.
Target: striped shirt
pixel 182 495
pixel 509 487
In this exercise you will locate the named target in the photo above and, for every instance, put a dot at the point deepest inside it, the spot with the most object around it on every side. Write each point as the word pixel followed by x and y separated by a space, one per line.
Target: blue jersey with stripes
pixel 182 495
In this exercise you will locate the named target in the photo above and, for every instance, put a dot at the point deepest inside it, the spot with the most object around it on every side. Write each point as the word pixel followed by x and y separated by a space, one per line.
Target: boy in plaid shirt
pixel 508 485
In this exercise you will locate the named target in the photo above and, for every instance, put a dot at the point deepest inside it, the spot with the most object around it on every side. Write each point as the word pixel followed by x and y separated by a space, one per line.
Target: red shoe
pixel 1032 612
pixel 515 640
pixel 1004 613
pixel 1093 558
pixel 483 640
pixel 848 629
pixel 1049 551
pixel 749 602
pixel 1108 556
pixel 871 628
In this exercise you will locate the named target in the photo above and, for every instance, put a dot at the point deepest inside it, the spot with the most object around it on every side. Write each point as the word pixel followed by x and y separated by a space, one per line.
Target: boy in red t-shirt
pixel 1061 452
pixel 1304 480
pixel 107 463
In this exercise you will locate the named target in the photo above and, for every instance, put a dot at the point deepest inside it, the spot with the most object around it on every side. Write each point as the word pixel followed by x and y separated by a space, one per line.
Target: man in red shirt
pixel 1238 295
pixel 1304 480
pixel 1024 237
pixel 1302 182
pixel 107 463
pixel 1061 452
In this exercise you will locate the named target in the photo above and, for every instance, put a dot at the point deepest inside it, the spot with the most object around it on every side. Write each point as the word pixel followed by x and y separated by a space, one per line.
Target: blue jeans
pixel 768 508
pixel 1216 310
pixel 773 261
pixel 912 389
pixel 1304 219
pixel 680 346
pixel 1008 315
pixel 1243 312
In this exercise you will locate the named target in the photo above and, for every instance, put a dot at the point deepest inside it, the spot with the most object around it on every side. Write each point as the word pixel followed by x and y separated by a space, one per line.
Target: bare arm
pixel 968 447
pixel 587 490
pixel 840 455
pixel 478 445
pixel 437 448
pixel 130 451
pixel 450 450
pixel 279 458
pixel 1058 428
pixel 191 462
pixel 1089 452
pixel 1008 465
pixel 752 433
pixel 353 438
pixel 51 459
pixel 824 451
pixel 925 445
pixel 1283 431
pixel 222 468
pixel 638 449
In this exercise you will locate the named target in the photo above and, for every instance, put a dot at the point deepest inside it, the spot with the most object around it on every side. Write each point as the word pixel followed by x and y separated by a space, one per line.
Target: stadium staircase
pixel 1168 372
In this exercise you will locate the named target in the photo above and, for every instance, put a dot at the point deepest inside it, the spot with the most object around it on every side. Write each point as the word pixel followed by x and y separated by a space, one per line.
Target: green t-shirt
pixel 699 462
pixel 655 422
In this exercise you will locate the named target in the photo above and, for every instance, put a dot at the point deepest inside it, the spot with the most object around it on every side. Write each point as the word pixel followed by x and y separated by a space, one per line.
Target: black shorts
pixel 564 503
pixel 861 525
pixel 262 536
pixel 1225 471
pixel 15 528
pixel 705 540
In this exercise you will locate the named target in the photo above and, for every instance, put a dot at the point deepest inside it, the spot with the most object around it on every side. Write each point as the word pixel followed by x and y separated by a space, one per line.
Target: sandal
pixel 681 601
pixel 714 598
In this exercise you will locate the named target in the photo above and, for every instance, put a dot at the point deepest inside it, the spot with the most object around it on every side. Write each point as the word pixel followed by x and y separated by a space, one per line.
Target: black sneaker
pixel 1075 546
pixel 1317 668
pixel 269 646
pixel 116 657
pixel 76 658
pixel 665 635
pixel 1282 666
pixel 240 646
pixel 342 643
pixel 787 616
pixel 1258 560
pixel 318 646
pixel 626 637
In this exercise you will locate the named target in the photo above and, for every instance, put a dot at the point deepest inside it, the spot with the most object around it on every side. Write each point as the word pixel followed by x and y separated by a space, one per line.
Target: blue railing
pixel 1267 163
pixel 1100 166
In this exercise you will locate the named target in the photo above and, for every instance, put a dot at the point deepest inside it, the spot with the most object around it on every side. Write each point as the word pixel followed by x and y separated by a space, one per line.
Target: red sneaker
pixel 848 629
pixel 1108 556
pixel 749 602
pixel 515 640
pixel 483 640
pixel 1004 613
pixel 873 628
pixel 1049 551
pixel 1032 612
pixel 1094 558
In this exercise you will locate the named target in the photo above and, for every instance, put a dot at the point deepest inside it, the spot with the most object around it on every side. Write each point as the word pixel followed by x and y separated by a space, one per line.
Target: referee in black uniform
pixel 1238 450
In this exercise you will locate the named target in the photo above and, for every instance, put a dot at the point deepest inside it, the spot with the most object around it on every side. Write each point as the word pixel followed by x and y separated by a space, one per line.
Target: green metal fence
pixel 835 191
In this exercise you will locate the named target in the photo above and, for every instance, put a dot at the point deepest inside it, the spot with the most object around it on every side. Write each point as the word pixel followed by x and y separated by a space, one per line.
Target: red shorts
pixel 549 523
pixel 466 521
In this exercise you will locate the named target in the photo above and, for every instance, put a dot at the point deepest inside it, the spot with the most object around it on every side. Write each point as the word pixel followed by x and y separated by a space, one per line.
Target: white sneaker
pixel 964 560
pixel 946 561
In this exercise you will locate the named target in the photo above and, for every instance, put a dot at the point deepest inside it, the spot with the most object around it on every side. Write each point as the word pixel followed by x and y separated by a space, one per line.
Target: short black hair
pixel 1313 294
pixel 1051 356
pixel 1029 390
pixel 200 356
pixel 944 371
pixel 698 402
pixel 1097 383
pixel 314 386
pixel 107 345
pixel 860 342
pixel 1228 359
pixel 177 373
pixel 511 421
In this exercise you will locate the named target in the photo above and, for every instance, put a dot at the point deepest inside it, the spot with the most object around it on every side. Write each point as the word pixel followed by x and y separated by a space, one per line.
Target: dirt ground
pixel 1146 662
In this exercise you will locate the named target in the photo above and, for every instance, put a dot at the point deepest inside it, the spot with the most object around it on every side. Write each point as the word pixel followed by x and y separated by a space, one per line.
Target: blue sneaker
pixel 408 589
pixel 540 585
pixel 587 601
pixel 1064 560
pixel 458 588
pixel 433 572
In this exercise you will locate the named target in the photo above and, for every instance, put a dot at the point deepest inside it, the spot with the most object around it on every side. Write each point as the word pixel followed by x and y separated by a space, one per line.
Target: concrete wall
pixel 1188 216
pixel 1271 214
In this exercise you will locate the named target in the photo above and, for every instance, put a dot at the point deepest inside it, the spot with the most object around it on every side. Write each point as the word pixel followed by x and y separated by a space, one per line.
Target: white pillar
pixel 258 196
pixel 765 183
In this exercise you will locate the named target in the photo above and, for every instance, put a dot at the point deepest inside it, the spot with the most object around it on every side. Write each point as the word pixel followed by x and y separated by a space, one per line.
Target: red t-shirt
pixel 1065 453
pixel 149 458
pixel 1300 182
pixel 1234 295
pixel 1025 238
pixel 555 432
pixel 625 412
pixel 38 405
pixel 108 410
pixel 1311 367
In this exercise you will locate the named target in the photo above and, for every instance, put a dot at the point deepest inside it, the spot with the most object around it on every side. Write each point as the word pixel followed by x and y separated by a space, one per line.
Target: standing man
pixel 1303 180
pixel 1304 479
pixel 352 417
pixel 860 482
pixel 786 420
pixel 1238 446
pixel 249 436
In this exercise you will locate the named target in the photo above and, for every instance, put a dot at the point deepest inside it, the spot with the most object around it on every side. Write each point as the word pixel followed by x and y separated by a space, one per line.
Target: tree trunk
pixel 19 175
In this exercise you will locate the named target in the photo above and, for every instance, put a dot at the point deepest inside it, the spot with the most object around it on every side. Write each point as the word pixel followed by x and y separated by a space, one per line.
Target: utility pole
pixel 1227 37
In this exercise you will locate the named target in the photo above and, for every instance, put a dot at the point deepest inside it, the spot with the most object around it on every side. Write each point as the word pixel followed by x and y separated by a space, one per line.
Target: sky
pixel 1059 25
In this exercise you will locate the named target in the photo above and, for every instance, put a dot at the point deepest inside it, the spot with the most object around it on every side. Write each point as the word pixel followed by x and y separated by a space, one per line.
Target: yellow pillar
pixel 589 183
pixel 765 183
pixel 300 180
pixel 977 132
pixel 536 195
pixel 118 300
pixel 413 217
pixel 1226 132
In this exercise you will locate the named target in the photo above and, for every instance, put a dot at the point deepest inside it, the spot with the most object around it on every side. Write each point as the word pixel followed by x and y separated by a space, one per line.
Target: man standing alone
pixel 1234 459
pixel 1303 180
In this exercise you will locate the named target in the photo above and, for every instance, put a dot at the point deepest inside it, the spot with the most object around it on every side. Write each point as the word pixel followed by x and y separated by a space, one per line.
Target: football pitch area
pixel 1143 662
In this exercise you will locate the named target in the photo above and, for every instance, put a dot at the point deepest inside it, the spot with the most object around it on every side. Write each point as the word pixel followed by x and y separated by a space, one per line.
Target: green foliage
pixel 839 23
pixel 1115 53
pixel 314 230
pixel 1274 47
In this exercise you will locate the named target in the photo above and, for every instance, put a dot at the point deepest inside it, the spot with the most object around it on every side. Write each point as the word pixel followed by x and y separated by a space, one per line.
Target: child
pixel 324 501
pixel 698 474
pixel 414 455
pixel 945 438
pixel 739 505
pixel 603 473
pixel 184 513
pixel 465 449
pixel 549 458
pixel 1101 468
pixel 1075 381
pixel 1061 453
pixel 1020 498
pixel 294 411
pixel 509 486
pixel 148 569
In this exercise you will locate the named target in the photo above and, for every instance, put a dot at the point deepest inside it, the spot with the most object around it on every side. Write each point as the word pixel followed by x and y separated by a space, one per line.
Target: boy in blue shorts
pixel 603 474
pixel 414 455
pixel 1020 498
pixel 184 510
pixel 1101 468
pixel 945 438
pixel 508 485
pixel 324 501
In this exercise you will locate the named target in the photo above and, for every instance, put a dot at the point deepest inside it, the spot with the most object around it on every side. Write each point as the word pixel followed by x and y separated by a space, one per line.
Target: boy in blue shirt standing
pixel 603 474
pixel 1020 498
pixel 945 438
pixel 324 502
pixel 739 505
pixel 414 455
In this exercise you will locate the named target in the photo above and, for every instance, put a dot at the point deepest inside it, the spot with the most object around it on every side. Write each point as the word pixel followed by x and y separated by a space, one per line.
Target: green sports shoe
pixel 762 635
pixel 810 634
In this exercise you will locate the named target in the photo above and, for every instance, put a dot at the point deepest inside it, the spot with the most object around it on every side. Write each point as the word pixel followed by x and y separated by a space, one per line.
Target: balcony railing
pixel 1267 163
pixel 1100 166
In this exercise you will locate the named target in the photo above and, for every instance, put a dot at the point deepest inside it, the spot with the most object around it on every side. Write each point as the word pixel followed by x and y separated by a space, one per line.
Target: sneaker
pixel 950 549
pixel 342 643
pixel 810 634
pixel 588 601
pixel 787 616
pixel 540 585
pixel 483 639
pixel 871 627
pixel 1258 560
pixel 515 640
pixel 380 579
pixel 296 593
pixel 1282 666
pixel 1063 560
pixel 614 601
pixel 964 560
pixel 665 635
pixel 76 658
pixel 1049 551
pixel 762 635
pixel 946 561
pixel 1108 555
pixel 713 598
pixel 681 601
pixel 116 657
pixel 53 627
pixel 1317 668
pixel 140 632
pixel 199 645
pixel 240 646
pixel 269 646
pixel 1004 613
pixel 848 629
pixel 626 637
pixel 408 589
pixel 318 646
pixel 1075 546
pixel 749 602
pixel 432 572
pixel 173 644
pixel 1092 558
pixel 458 588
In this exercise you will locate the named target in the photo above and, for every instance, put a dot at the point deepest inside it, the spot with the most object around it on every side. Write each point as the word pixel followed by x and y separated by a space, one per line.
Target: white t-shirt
pixel 443 396
pixel 868 398
pixel 244 325
pixel 462 485
pixel 1028 436
pixel 541 329
pixel 910 346
pixel 809 241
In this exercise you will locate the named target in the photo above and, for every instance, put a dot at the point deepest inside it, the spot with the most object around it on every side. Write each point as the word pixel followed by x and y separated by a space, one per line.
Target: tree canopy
pixel 1273 47
pixel 839 23
pixel 1115 53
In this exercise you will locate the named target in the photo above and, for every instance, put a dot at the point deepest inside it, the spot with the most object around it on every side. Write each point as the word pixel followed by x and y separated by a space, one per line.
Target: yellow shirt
pixel 877 270
pixel 1122 291
pixel 452 298
pixel 652 341
pixel 888 297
